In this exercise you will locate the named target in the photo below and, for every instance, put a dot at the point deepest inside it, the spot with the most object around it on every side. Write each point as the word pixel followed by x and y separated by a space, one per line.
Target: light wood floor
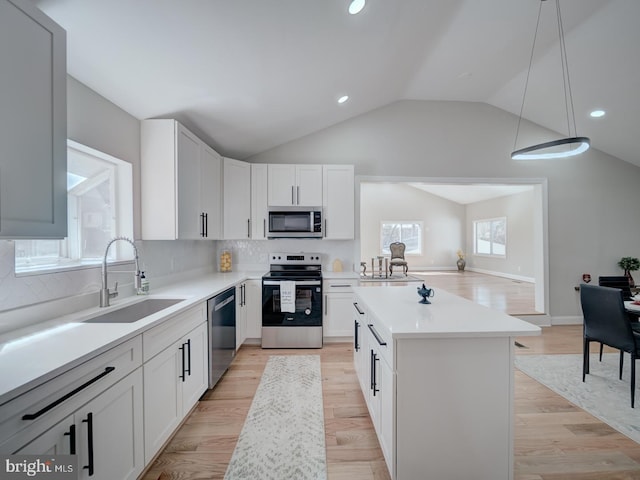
pixel 553 438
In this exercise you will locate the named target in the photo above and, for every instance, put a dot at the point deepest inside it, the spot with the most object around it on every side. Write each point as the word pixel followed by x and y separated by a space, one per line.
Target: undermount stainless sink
pixel 135 312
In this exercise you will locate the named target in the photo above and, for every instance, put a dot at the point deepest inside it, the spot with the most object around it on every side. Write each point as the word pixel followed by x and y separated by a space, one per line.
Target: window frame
pixel 407 252
pixel 120 175
pixel 491 240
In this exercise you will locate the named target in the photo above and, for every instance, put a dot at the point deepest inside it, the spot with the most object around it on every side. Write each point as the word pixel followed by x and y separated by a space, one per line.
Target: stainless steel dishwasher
pixel 222 333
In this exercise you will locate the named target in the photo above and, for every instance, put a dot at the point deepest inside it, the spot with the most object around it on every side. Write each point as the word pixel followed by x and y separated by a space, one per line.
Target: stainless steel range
pixel 292 301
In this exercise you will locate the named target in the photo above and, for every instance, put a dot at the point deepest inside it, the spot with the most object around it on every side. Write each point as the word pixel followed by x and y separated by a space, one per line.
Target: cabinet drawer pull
pixel 377 335
pixel 89 422
pixel 72 439
pixel 33 416
pixel 340 285
pixel 355 305
pixel 356 343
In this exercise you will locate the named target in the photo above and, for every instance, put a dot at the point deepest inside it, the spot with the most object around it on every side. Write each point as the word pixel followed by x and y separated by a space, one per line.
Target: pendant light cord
pixel 566 82
pixel 526 83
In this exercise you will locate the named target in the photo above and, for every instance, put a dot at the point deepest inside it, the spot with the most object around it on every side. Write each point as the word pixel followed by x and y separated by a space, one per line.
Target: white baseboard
pixel 504 275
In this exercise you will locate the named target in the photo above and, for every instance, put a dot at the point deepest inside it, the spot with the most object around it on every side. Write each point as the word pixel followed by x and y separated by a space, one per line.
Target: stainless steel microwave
pixel 294 222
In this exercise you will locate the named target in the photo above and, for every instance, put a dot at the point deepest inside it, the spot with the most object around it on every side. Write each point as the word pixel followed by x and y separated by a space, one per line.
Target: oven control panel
pixel 295 258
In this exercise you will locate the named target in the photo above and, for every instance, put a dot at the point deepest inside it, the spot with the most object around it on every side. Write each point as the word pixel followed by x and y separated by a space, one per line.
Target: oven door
pixel 308 304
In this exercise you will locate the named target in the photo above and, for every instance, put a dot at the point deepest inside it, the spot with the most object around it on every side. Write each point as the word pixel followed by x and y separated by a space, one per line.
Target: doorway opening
pixel 448 212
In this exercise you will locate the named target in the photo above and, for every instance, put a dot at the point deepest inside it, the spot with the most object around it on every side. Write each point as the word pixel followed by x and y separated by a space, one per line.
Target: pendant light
pixel 564 147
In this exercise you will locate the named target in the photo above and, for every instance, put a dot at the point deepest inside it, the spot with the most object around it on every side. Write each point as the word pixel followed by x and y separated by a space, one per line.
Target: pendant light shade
pixel 565 147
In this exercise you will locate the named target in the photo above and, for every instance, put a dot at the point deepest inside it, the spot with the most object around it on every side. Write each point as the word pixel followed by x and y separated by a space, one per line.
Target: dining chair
pixel 621 282
pixel 606 321
pixel 397 257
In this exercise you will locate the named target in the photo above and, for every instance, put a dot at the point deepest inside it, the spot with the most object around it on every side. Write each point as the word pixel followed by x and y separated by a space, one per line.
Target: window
pixel 409 233
pixel 99 207
pixel 490 237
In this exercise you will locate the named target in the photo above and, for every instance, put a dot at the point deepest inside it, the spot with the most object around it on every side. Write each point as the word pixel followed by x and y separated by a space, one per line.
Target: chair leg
pixel 633 378
pixel 621 362
pixel 585 358
pixel 601 346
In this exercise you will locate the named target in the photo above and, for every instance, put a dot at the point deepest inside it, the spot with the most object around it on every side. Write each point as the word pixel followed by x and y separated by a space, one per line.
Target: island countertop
pixel 397 309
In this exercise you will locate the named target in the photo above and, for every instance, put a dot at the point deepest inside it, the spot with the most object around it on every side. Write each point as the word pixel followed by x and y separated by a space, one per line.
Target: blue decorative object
pixel 425 293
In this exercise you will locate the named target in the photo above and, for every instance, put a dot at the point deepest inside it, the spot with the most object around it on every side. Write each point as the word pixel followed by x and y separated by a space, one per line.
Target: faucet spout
pixel 105 294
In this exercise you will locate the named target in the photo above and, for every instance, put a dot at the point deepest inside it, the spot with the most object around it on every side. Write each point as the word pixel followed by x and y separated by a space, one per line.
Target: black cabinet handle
pixel 356 344
pixel 248 228
pixel 206 224
pixel 55 403
pixel 202 224
pixel 72 439
pixel 377 335
pixel 374 374
pixel 355 305
pixel 189 357
pixel 264 227
pixel 182 351
pixel 89 422
pixel 371 370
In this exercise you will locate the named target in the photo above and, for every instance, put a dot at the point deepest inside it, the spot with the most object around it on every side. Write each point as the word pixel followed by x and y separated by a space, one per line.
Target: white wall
pixel 591 198
pixel 443 223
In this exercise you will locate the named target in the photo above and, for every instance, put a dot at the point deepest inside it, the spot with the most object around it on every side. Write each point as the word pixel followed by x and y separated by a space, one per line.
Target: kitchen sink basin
pixel 135 312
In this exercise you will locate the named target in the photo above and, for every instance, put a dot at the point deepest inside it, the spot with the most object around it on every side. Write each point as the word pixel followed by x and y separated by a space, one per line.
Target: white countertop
pixel 398 309
pixel 31 356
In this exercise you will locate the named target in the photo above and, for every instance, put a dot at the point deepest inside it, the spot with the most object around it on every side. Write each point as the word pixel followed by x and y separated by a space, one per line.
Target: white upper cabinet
pixel 294 185
pixel 211 191
pixel 237 199
pixel 33 115
pixel 259 210
pixel 338 202
pixel 180 183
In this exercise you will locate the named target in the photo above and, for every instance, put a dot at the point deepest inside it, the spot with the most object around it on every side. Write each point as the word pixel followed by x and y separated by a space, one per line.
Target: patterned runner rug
pixel 283 435
pixel 603 395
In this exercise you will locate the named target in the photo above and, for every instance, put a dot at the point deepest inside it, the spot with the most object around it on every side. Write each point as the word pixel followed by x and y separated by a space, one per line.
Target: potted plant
pixel 461 262
pixel 629 264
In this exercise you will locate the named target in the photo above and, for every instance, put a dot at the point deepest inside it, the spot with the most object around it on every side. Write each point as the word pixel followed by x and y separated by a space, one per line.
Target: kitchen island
pixel 438 382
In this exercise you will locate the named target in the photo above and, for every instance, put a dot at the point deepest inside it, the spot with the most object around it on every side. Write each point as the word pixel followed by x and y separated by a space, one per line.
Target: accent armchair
pixel 397 257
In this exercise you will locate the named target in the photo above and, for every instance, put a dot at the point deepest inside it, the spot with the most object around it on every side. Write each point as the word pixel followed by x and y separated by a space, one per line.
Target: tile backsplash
pixel 157 258
pixel 254 254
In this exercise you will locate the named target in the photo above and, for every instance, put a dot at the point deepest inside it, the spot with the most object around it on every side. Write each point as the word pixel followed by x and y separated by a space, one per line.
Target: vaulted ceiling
pixel 253 74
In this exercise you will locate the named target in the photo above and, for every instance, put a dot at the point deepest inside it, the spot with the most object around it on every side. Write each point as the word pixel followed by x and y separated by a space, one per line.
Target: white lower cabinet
pixel 93 411
pixel 338 304
pixel 373 364
pixel 360 345
pixel 253 302
pixel 110 441
pixel 174 380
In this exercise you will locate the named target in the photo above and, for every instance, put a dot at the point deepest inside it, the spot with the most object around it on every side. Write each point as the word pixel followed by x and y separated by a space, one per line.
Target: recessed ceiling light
pixel 597 113
pixel 356 6
pixel 343 99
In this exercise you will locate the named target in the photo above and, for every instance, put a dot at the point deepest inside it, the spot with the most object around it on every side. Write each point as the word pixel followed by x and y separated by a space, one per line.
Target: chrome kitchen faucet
pixel 105 294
